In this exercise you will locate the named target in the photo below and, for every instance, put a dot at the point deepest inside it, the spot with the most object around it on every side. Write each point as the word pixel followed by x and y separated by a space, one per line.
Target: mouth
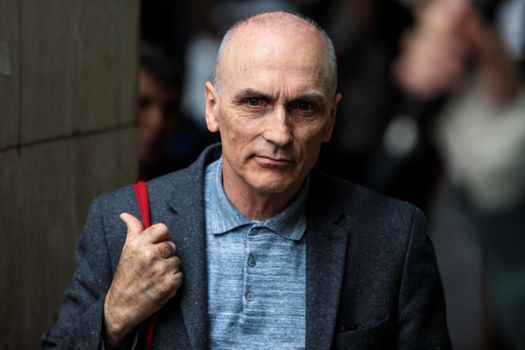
pixel 271 162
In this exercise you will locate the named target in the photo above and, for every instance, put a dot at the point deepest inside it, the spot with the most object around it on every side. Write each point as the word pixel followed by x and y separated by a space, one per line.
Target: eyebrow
pixel 251 93
pixel 316 98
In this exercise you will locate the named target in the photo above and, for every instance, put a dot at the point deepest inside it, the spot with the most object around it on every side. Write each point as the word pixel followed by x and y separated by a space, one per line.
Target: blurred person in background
pixel 366 35
pixel 467 55
pixel 159 90
pixel 167 139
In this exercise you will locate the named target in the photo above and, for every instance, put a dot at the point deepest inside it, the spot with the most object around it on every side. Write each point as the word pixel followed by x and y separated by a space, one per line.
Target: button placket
pixel 248 295
pixel 251 262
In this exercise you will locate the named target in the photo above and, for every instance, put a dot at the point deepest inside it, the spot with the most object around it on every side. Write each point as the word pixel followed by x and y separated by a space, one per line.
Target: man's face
pixel 273 108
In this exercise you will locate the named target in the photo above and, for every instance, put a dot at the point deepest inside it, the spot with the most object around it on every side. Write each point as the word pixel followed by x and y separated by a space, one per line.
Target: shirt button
pixel 250 296
pixel 251 261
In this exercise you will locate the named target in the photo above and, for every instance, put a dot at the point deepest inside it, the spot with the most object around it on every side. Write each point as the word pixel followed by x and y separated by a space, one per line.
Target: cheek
pixel 238 128
pixel 308 143
pixel 312 135
pixel 231 134
pixel 236 136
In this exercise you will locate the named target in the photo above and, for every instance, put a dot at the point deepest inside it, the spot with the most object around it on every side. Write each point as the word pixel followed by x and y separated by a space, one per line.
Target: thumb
pixel 133 224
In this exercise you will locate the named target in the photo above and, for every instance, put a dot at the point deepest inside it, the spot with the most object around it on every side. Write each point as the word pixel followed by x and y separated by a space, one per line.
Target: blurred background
pixel 96 95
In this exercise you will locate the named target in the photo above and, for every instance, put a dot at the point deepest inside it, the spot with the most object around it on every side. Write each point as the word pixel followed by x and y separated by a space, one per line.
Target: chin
pixel 271 184
pixel 271 189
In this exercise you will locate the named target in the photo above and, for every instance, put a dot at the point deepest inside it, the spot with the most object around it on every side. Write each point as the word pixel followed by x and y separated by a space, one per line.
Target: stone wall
pixel 67 133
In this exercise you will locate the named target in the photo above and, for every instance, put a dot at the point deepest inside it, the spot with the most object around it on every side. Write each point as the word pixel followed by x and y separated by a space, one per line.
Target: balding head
pixel 246 35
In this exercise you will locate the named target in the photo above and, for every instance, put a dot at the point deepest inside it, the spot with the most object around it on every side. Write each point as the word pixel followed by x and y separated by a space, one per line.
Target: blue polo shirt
pixel 256 272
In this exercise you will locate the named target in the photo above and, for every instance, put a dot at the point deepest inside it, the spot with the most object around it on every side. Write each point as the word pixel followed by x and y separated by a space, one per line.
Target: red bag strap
pixel 141 192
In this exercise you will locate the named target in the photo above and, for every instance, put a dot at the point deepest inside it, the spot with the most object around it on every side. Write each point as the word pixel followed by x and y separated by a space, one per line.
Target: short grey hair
pixel 275 17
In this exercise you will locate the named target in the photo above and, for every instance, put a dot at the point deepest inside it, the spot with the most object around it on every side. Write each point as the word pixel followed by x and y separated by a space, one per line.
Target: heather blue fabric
pixel 371 276
pixel 256 272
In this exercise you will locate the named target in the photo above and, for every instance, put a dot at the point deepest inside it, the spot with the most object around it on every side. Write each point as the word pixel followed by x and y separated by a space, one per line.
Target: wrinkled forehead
pixel 275 49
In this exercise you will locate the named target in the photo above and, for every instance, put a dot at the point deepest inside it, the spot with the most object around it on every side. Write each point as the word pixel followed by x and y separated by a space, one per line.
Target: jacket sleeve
pixel 422 309
pixel 80 324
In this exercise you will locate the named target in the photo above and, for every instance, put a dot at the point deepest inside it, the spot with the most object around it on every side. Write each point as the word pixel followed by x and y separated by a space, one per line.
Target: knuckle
pixel 148 255
pixel 157 270
pixel 131 245
pixel 161 227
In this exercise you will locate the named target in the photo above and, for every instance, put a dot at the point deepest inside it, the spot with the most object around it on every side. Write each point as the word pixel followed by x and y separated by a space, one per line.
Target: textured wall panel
pixel 51 191
pixel 103 163
pixel 79 61
pixel 65 136
pixel 9 80
pixel 7 194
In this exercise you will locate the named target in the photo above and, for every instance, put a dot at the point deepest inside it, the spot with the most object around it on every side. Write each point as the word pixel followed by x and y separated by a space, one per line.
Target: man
pixel 158 117
pixel 167 141
pixel 273 255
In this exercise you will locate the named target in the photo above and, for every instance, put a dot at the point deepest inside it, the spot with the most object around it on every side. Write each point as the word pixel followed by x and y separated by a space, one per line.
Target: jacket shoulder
pixel 362 202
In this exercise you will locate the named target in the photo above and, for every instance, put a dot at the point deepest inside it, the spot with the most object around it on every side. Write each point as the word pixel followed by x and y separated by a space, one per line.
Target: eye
pixel 304 106
pixel 253 101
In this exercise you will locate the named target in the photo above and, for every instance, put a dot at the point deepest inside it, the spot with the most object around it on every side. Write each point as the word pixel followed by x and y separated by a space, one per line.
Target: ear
pixel 331 122
pixel 212 107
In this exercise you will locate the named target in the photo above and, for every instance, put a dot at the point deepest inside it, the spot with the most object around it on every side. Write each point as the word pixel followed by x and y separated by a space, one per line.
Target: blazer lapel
pixel 187 226
pixel 184 217
pixel 326 236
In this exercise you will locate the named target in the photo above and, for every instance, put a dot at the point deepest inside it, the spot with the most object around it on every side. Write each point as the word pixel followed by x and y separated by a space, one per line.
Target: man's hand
pixel 147 276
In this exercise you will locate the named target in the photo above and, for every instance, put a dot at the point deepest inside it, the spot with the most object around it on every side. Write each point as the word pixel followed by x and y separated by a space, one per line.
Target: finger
pixel 177 279
pixel 172 283
pixel 133 225
pixel 156 233
pixel 173 264
pixel 166 249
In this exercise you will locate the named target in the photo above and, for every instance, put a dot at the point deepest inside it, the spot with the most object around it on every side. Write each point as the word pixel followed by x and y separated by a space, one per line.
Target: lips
pixel 266 161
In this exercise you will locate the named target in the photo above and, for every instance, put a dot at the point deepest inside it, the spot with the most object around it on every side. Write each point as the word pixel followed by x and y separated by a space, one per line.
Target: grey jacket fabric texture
pixel 372 277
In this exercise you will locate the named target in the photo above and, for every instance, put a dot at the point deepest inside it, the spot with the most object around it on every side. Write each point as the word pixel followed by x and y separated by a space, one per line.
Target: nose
pixel 278 129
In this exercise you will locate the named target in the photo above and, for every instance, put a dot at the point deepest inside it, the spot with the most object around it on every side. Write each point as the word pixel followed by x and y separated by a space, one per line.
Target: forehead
pixel 274 57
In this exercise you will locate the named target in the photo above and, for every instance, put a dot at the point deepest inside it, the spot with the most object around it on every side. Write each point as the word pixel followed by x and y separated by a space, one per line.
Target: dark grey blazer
pixel 372 278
